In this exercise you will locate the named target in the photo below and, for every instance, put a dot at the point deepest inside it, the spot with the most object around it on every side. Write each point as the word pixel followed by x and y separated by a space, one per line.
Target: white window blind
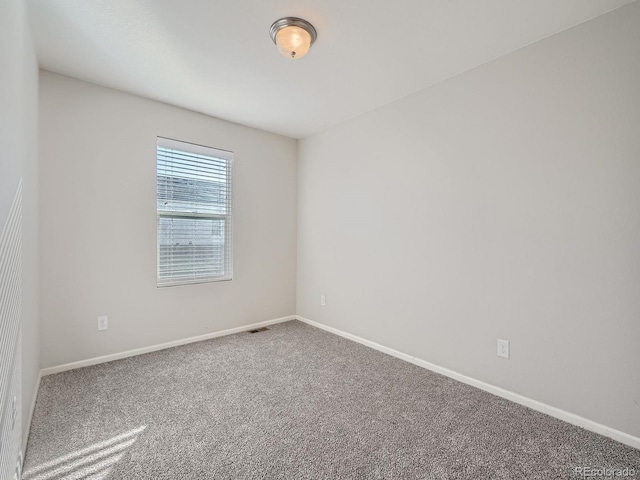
pixel 195 217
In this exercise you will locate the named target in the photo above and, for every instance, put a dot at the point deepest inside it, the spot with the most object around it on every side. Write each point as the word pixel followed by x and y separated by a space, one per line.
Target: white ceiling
pixel 216 57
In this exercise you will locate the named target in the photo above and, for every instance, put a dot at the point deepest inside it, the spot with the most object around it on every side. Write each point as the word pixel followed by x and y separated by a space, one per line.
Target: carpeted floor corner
pixel 294 402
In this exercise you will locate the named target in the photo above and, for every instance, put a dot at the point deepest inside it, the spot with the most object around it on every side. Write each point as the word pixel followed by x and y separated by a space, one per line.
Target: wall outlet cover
pixel 103 323
pixel 503 348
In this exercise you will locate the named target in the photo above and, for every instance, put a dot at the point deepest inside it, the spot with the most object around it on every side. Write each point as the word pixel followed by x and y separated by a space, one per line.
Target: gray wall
pixel 30 253
pixel 30 236
pixel 98 224
pixel 18 161
pixel 501 203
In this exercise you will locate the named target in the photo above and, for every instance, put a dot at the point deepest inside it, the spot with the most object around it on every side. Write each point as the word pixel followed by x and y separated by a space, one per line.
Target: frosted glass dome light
pixel 293 36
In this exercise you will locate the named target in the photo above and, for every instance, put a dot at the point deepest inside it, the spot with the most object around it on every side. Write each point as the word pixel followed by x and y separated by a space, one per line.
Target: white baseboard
pixel 568 417
pixel 153 348
pixel 32 408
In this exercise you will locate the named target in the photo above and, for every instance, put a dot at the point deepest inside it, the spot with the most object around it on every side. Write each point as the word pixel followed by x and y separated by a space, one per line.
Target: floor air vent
pixel 261 329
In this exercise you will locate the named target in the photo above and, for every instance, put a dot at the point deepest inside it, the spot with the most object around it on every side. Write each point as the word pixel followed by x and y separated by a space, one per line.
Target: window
pixel 195 222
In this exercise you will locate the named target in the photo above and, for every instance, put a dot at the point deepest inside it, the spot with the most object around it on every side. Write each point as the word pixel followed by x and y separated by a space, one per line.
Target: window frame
pixel 228 157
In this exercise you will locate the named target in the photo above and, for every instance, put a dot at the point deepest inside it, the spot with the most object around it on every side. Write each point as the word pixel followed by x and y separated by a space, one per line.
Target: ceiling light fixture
pixel 293 36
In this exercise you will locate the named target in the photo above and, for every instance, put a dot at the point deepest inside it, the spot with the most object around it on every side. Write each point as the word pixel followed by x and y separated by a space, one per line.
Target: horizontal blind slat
pixel 194 207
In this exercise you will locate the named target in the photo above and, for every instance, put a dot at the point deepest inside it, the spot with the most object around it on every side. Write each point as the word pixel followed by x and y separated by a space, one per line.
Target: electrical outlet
pixel 503 348
pixel 103 323
pixel 323 300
